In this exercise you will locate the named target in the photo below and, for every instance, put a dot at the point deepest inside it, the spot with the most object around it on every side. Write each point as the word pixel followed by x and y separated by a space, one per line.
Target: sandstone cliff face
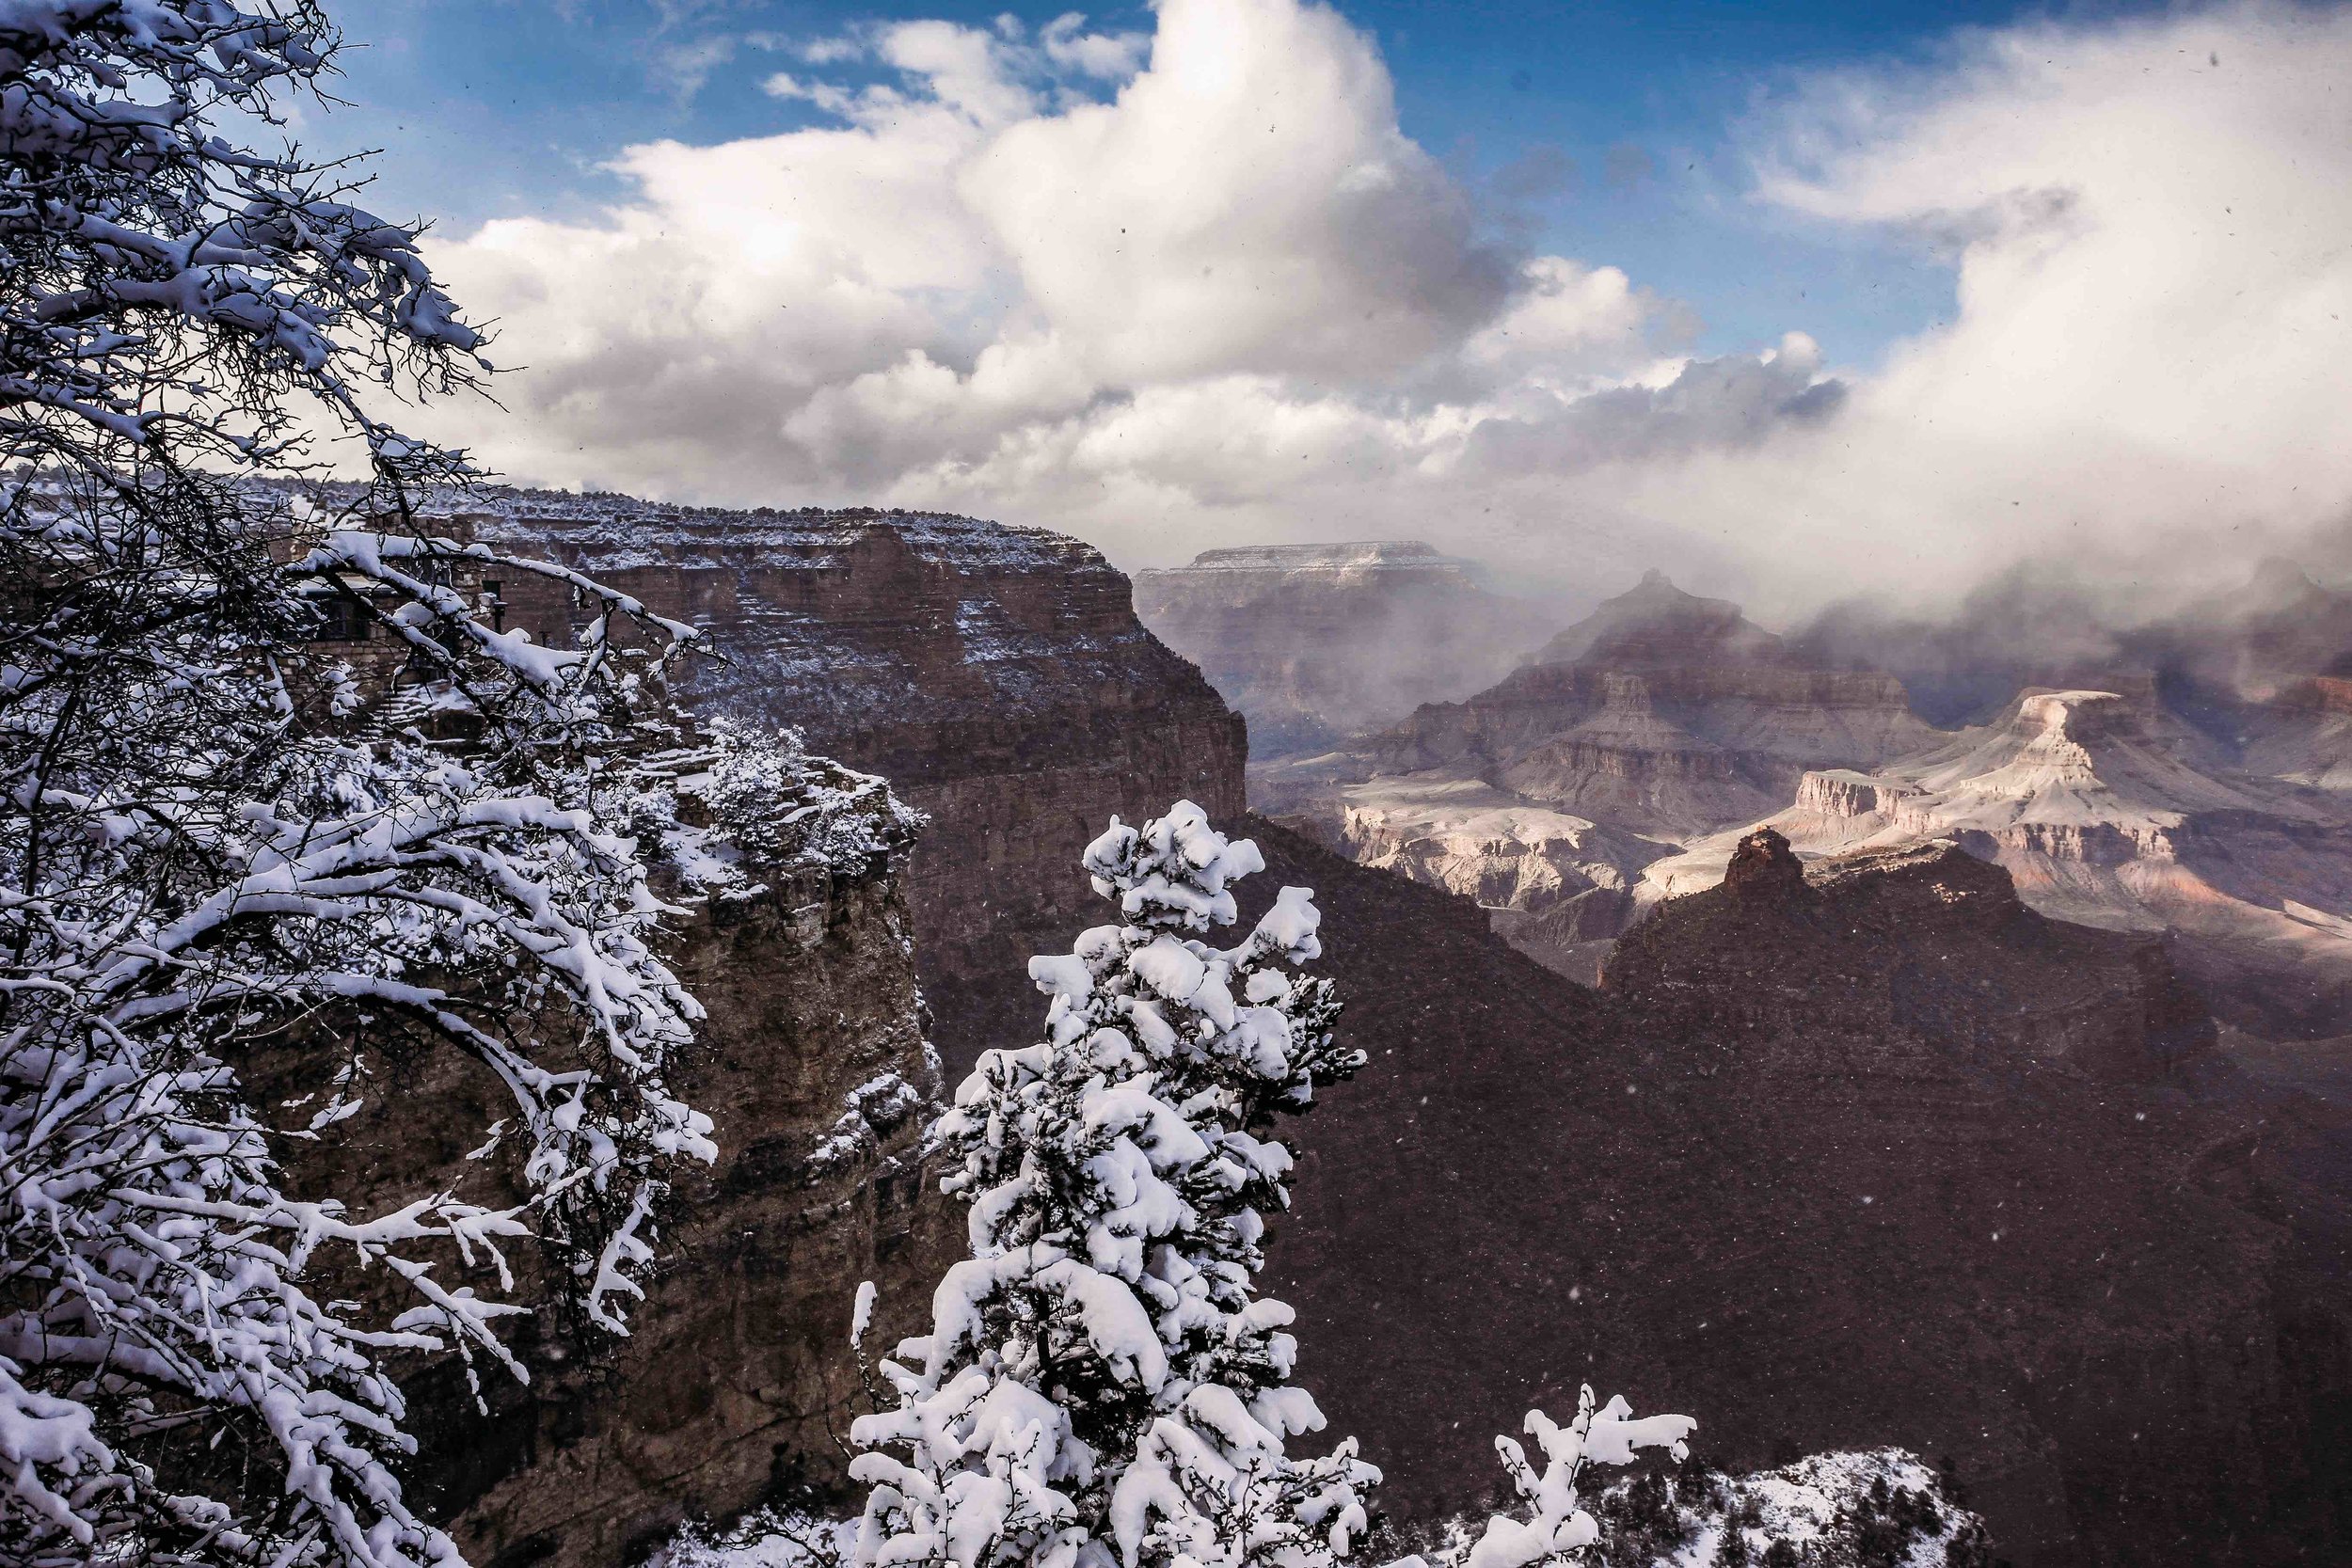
pixel 736 1380
pixel 1866 1156
pixel 1313 643
pixel 996 675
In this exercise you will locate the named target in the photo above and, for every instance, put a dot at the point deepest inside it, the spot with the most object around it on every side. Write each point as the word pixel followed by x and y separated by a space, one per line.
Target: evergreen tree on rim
pixel 1102 1382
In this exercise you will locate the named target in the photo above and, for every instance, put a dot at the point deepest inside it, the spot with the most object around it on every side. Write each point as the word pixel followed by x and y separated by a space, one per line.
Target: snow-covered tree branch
pixel 1558 1531
pixel 216 836
pixel 1102 1382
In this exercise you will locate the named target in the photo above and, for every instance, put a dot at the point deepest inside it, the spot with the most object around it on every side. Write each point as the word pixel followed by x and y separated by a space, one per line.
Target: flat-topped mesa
pixel 2077 759
pixel 1363 555
pixel 1317 642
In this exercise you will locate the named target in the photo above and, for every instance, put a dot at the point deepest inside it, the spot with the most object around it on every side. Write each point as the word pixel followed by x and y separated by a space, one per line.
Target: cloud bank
pixel 1203 288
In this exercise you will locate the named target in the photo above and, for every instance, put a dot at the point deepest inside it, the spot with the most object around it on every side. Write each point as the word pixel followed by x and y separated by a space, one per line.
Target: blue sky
pixel 1611 132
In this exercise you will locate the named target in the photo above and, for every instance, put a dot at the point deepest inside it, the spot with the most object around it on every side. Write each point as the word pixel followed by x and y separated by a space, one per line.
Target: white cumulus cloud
pixel 1202 288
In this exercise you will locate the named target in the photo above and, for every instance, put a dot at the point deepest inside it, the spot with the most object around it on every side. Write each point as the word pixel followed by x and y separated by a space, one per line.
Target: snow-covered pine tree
pixel 1102 1383
pixel 210 842
pixel 1558 1532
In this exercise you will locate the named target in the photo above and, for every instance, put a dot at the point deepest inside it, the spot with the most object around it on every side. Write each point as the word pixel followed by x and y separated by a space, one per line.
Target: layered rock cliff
pixel 1555 886
pixel 1660 717
pixel 1667 750
pixel 1313 643
pixel 2107 812
pixel 996 675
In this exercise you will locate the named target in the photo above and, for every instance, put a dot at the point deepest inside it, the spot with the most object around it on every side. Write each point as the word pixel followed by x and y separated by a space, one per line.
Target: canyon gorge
pixel 1834 1154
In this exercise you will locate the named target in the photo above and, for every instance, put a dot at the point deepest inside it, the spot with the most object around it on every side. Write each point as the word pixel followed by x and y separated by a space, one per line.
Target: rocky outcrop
pixel 996 675
pixel 2107 811
pixel 1864 1153
pixel 1314 642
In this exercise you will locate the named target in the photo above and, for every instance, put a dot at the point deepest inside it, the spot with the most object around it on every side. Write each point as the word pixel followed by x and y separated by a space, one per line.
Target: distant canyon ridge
pixel 2188 778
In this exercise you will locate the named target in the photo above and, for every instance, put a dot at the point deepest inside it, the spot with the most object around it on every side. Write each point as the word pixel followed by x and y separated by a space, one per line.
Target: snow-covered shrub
pixel 1558 1531
pixel 771 805
pixel 1102 1382
pixel 1878 1509
pixel 209 843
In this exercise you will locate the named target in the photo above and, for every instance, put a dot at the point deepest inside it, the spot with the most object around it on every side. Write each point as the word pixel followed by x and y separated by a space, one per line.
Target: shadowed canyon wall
pixel 1872 1156
pixel 1878 1156
pixel 997 676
